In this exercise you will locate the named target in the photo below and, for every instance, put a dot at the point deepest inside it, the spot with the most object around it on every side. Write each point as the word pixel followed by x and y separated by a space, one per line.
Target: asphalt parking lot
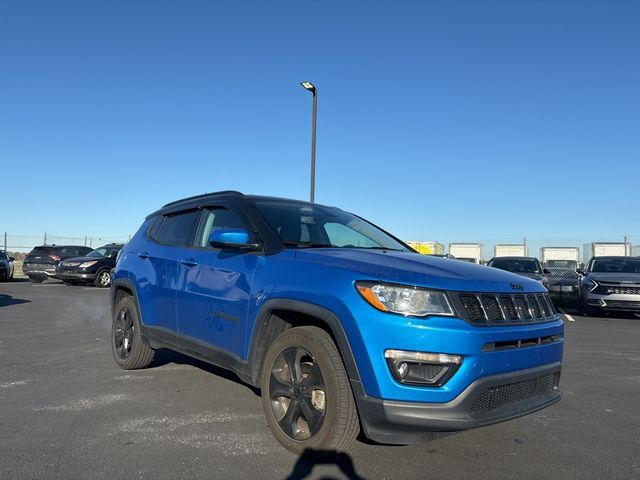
pixel 67 411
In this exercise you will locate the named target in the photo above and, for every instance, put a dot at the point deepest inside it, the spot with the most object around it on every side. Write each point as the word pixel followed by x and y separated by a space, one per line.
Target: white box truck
pixel 466 251
pixel 635 250
pixel 560 257
pixel 511 250
pixel 603 249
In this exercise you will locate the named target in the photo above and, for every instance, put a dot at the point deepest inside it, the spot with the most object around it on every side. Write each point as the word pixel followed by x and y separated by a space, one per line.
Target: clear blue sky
pixel 437 119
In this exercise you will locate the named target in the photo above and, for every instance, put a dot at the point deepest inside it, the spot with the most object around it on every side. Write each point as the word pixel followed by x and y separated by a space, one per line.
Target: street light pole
pixel 312 88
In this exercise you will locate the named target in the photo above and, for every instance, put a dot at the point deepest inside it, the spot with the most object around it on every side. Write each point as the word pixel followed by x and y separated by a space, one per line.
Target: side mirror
pixel 546 271
pixel 232 238
pixel 11 259
pixel 580 271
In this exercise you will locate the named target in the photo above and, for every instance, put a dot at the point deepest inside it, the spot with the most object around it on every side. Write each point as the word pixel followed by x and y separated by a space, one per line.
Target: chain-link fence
pixel 24 243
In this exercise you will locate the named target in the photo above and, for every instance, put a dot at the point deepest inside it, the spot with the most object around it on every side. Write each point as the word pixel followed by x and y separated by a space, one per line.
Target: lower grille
pixel 494 397
pixel 622 305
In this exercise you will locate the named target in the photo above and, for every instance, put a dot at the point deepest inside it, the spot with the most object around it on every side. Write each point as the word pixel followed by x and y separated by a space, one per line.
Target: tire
pixel 129 351
pixel 103 278
pixel 584 310
pixel 299 416
pixel 34 279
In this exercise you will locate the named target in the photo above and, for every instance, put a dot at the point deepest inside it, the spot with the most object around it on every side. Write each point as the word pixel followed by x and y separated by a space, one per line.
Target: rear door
pixel 215 287
pixel 157 271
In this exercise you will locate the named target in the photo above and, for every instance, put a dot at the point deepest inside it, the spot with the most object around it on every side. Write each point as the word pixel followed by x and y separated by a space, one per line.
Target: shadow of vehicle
pixel 6 300
pixel 311 457
pixel 165 356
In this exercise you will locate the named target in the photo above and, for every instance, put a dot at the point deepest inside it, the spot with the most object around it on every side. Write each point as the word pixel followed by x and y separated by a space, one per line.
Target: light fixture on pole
pixel 312 88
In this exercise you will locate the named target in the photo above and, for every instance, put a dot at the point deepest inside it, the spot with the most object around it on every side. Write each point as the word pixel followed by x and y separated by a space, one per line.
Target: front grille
pixel 494 397
pixel 523 308
pixel 533 301
pixel 622 305
pixel 473 308
pixel 503 309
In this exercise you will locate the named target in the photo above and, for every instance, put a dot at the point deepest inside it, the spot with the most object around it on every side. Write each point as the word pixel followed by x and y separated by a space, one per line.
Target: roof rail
pixel 203 195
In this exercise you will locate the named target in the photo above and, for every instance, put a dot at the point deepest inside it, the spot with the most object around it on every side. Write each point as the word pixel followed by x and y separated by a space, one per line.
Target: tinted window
pixel 216 219
pixel 516 265
pixel 178 229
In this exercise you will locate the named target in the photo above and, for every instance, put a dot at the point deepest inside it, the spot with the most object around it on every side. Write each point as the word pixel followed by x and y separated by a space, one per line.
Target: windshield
pixel 300 225
pixel 612 265
pixel 516 265
pixel 103 252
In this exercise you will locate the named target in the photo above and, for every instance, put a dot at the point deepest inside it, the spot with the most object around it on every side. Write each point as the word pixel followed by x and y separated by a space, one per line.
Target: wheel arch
pixel 277 315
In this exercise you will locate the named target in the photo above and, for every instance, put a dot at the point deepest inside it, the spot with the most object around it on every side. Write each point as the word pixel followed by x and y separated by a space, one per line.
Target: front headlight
pixel 88 264
pixel 405 300
pixel 590 284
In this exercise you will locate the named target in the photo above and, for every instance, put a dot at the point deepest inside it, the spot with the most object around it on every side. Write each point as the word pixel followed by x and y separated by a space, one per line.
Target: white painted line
pixel 94 289
pixel 569 317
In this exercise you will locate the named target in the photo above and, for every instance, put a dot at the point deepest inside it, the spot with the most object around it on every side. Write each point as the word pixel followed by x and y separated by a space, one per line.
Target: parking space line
pixel 569 317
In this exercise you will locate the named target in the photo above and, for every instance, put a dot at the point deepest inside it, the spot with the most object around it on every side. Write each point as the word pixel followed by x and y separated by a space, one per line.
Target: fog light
pixel 422 368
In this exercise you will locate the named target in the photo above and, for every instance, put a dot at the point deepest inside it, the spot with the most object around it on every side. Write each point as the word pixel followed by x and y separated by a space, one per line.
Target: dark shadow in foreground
pixel 164 356
pixel 310 458
pixel 6 300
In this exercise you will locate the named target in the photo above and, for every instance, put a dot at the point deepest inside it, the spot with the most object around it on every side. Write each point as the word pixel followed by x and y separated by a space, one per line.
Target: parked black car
pixel 563 282
pixel 41 262
pixel 92 268
pixel 6 266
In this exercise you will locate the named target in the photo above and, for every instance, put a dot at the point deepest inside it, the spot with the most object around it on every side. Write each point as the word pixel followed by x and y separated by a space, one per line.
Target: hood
pixel 421 270
pixel 79 260
pixel 615 277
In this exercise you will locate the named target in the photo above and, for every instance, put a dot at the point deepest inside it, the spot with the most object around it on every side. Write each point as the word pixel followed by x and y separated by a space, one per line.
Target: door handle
pixel 189 262
pixel 144 255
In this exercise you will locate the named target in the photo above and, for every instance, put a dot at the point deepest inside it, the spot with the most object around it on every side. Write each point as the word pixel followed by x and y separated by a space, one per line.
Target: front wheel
pixel 103 278
pixel 306 395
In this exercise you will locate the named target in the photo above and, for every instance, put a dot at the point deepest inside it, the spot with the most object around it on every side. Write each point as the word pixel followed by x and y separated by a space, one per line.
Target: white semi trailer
pixel 635 250
pixel 467 251
pixel 603 249
pixel 560 257
pixel 511 250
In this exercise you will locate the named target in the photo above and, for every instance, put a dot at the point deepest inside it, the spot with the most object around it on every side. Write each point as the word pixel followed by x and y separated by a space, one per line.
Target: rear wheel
pixel 129 351
pixel 103 278
pixel 306 395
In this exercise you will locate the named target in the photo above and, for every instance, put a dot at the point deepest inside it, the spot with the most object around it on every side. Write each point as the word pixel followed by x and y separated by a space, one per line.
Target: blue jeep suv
pixel 341 325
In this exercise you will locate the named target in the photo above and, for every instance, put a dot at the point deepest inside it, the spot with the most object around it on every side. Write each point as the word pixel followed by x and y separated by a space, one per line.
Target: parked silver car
pixel 610 284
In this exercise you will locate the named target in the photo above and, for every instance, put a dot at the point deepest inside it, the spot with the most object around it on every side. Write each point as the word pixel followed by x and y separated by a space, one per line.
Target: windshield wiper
pixel 293 243
pixel 379 248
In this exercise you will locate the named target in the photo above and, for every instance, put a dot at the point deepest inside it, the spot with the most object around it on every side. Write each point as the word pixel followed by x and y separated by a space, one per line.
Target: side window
pixel 215 219
pixel 342 236
pixel 178 229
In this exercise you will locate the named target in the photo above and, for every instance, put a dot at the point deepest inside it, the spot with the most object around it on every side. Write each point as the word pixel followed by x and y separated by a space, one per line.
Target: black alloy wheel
pixel 297 393
pixel 129 350
pixel 123 334
pixel 306 393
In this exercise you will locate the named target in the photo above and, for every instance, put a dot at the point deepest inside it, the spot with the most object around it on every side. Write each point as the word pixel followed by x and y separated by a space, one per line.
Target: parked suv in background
pixel 340 324
pixel 95 267
pixel 610 284
pixel 41 262
pixel 526 266
pixel 6 266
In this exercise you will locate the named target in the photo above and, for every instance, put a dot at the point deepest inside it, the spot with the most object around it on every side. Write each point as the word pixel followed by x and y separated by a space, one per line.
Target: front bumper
pixel 75 275
pixel 486 401
pixel 614 302
pixel 563 290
